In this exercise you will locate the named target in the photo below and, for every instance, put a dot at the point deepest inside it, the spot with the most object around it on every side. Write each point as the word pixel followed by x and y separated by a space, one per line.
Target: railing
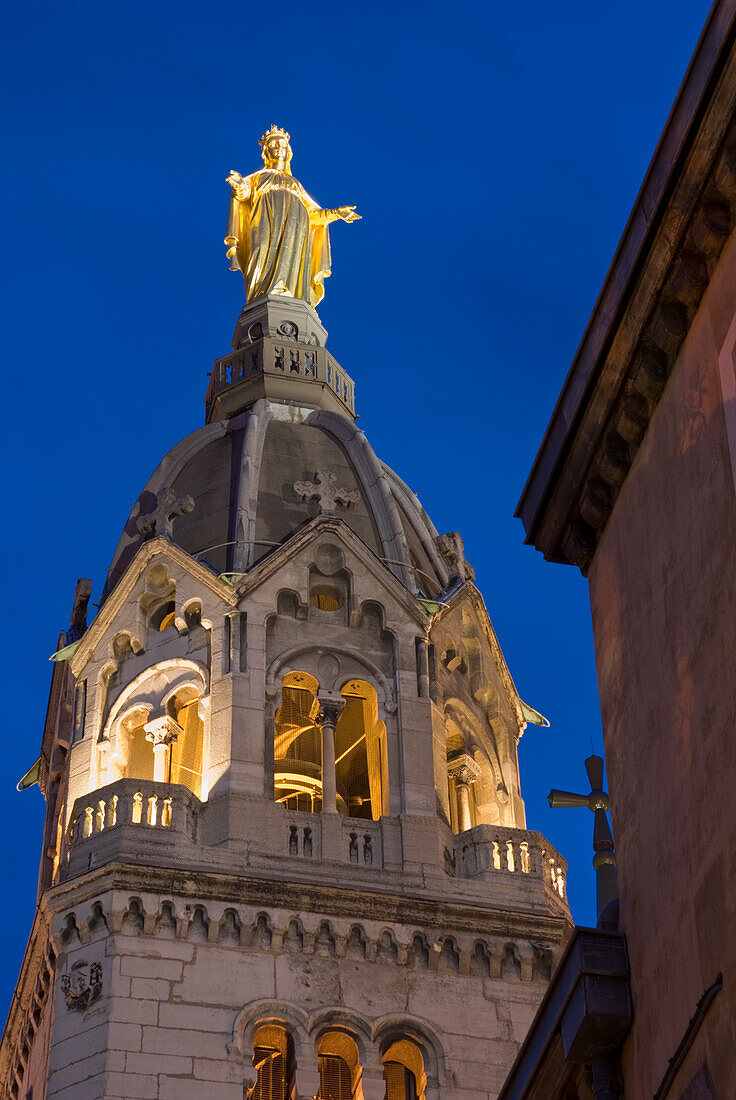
pixel 486 850
pixel 303 835
pixel 362 841
pixel 344 839
pixel 269 356
pixel 168 808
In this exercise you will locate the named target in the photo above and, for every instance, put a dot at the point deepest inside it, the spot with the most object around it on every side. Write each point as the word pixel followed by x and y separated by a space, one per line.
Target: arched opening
pixel 361 759
pixel 273 1059
pixel 137 748
pixel 297 744
pixel 163 616
pixel 184 756
pixel 339 1066
pixel 186 753
pixel 460 782
pixel 403 1071
pixel 361 763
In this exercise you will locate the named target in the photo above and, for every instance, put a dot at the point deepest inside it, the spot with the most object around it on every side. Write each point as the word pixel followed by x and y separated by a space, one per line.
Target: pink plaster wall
pixel 663 598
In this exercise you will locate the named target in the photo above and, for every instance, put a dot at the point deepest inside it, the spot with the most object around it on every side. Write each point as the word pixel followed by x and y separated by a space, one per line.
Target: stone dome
pixel 250 475
pixel 280 447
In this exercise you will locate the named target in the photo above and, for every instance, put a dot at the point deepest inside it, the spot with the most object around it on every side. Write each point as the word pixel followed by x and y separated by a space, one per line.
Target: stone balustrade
pixel 282 358
pixel 487 851
pixel 168 809
pixel 333 837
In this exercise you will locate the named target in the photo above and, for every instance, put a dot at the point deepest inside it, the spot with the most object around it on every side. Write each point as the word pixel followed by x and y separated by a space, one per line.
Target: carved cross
pixel 598 803
pixel 326 492
pixel 161 520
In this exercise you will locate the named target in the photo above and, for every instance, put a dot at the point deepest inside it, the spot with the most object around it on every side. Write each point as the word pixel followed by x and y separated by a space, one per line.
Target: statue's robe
pixel 278 237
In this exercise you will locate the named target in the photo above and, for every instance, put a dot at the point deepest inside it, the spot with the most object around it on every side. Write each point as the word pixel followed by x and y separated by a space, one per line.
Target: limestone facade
pixel 285 850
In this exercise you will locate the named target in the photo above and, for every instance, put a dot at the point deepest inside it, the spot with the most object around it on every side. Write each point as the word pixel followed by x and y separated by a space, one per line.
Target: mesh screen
pixel 271 1084
pixel 140 756
pixel 186 751
pixel 400 1083
pixel 334 1078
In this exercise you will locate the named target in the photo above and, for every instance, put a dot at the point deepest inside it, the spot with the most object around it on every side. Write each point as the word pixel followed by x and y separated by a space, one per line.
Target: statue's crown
pixel 275 131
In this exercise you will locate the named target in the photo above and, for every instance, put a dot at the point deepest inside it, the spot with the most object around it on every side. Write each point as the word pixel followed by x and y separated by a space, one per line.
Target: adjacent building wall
pixel 663 597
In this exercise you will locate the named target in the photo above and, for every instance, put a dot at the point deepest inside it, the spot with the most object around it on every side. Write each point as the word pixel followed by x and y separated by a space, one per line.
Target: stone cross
pixel 326 492
pixel 161 520
pixel 598 802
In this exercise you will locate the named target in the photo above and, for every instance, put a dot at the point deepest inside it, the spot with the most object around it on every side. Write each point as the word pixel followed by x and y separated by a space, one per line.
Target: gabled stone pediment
pixel 358 559
pixel 469 597
pixel 132 583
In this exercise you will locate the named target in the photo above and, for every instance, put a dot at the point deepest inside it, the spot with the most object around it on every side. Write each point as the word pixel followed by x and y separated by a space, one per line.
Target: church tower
pixel 285 851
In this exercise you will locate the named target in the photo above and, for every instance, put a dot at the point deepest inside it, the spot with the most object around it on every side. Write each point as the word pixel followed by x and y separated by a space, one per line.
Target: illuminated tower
pixel 285 849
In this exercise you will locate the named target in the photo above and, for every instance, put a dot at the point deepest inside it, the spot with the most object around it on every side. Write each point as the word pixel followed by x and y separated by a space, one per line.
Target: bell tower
pixel 285 851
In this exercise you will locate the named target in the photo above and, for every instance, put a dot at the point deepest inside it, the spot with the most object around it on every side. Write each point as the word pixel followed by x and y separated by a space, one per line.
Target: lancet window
pixel 360 752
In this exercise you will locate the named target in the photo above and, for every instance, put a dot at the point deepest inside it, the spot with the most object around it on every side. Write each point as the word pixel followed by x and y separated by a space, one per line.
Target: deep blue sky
pixel 494 151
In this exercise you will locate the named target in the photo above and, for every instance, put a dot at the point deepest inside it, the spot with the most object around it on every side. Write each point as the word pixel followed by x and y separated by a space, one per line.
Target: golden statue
pixel 276 233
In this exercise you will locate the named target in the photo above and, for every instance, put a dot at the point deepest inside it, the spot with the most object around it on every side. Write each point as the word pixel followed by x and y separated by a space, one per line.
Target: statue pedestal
pixel 277 315
pixel 279 354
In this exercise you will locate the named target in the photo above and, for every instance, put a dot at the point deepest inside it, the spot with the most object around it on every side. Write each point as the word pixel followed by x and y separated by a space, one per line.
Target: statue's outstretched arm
pixel 341 213
pixel 240 186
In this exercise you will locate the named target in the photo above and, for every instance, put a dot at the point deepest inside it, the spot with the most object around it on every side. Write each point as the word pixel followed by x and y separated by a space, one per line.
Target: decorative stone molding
pixel 463 769
pixel 161 520
pixel 452 549
pixel 162 730
pixel 326 492
pixel 82 986
pixel 331 706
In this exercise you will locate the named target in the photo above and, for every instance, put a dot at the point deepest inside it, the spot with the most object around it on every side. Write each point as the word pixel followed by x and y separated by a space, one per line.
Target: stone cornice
pixel 155 547
pixel 330 899
pixel 667 255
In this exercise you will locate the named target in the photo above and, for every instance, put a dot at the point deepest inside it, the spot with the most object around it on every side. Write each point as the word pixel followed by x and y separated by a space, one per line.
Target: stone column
pixel 161 732
pixel 331 705
pixel 464 770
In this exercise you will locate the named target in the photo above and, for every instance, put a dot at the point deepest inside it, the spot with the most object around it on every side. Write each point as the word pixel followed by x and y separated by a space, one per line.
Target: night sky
pixel 494 151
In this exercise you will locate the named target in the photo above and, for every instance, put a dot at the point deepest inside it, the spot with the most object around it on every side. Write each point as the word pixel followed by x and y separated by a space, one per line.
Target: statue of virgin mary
pixel 277 234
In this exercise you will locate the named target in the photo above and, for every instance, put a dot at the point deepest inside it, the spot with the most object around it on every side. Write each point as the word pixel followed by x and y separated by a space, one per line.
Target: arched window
pixel 273 1059
pixel 185 760
pixel 184 755
pixel 339 1066
pixel 138 750
pixel 403 1071
pixel 361 766
pixel 297 745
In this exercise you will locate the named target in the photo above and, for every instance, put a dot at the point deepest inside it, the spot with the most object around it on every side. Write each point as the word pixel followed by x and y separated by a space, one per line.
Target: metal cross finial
pixel 161 520
pixel 326 492
pixel 598 802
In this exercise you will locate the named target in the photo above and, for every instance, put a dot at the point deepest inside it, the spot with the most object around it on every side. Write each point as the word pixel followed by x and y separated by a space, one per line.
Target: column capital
pixel 331 706
pixel 162 730
pixel 463 769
